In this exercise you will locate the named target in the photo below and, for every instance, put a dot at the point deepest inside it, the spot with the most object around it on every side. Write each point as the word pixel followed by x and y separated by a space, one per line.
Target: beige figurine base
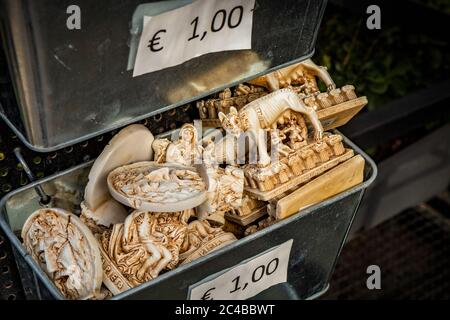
pixel 248 218
pixel 341 178
pixel 219 241
pixel 112 277
pixel 286 178
pixel 201 238
pixel 338 115
pixel 295 181
pixel 250 211
pixel 334 108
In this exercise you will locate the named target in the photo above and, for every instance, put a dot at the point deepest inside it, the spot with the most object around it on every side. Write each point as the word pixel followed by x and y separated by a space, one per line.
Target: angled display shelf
pixel 72 85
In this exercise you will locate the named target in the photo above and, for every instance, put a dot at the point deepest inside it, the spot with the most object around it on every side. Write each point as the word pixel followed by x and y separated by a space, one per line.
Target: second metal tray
pixel 318 234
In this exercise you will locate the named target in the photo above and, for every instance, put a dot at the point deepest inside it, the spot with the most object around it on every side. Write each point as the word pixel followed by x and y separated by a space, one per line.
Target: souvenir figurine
pixel 202 239
pixel 224 186
pixel 137 250
pixel 157 187
pixel 99 208
pixel 151 205
pixel 185 150
pixel 66 250
pixel 262 113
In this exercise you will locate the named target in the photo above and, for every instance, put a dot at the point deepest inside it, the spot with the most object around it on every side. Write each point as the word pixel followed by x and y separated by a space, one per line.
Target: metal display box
pixel 72 85
pixel 318 234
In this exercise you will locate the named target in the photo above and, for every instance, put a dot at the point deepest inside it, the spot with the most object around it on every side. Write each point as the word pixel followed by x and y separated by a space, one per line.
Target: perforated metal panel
pixel 10 284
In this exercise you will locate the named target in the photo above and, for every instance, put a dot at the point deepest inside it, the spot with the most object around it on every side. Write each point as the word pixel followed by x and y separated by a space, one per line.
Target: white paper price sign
pixel 246 279
pixel 201 27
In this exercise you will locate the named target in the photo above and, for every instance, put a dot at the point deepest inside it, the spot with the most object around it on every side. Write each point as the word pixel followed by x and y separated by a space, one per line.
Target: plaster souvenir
pixel 131 144
pixel 201 239
pixel 139 249
pixel 66 250
pixel 157 187
pixel 262 113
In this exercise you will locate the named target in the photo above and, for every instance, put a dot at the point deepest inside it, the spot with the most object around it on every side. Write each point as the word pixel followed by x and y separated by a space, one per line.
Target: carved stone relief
pixel 66 250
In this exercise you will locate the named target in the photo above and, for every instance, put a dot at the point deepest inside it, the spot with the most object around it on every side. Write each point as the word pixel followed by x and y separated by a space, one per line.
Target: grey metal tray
pixel 319 233
pixel 72 85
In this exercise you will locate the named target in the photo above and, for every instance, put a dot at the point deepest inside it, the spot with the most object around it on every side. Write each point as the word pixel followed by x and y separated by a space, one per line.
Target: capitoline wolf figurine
pixel 262 113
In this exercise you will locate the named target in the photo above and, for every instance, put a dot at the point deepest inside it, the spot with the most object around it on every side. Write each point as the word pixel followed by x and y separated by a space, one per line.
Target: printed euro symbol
pixel 155 41
pixel 206 296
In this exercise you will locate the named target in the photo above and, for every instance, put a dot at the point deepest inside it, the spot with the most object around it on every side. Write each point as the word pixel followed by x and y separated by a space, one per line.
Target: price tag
pixel 246 279
pixel 201 27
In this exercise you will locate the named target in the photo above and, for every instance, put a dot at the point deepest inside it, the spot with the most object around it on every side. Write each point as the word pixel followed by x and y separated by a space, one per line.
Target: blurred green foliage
pixel 382 64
